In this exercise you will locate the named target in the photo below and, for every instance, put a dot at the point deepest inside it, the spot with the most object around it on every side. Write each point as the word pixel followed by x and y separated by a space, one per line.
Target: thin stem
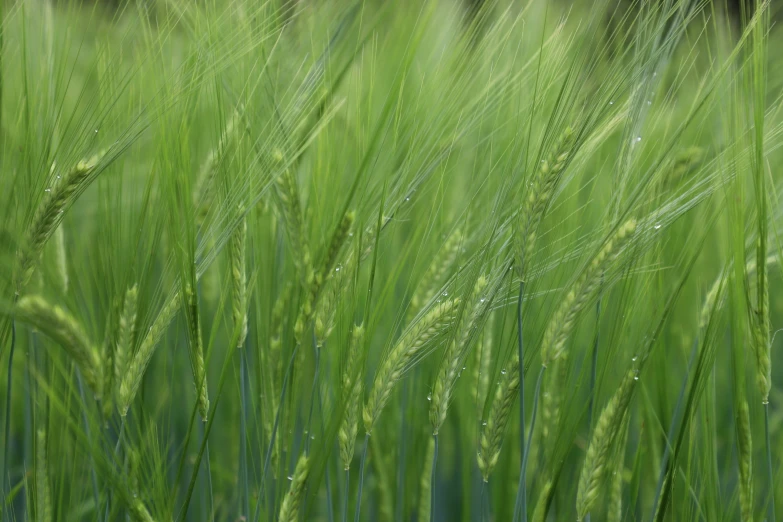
pixel 207 471
pixel 7 427
pixel 520 509
pixel 244 504
pixel 361 478
pixel 327 480
pixel 769 464
pixel 484 506
pixel 521 500
pixel 88 433
pixel 308 429
pixel 432 478
pixel 672 426
pixel 594 365
pixel 344 515
pixel 268 457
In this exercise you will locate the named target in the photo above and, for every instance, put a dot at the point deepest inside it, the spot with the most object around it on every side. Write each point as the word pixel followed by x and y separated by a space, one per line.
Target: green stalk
pixel 432 478
pixel 88 433
pixel 344 515
pixel 519 508
pixel 769 464
pixel 361 478
pixel 7 428
pixel 244 503
pixel 520 504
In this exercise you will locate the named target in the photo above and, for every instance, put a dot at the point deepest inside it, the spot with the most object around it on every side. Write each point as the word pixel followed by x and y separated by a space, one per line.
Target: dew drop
pixel 484 423
pixel 657 226
pixel 634 358
pixel 503 371
pixel 429 396
pixel 483 299
pixel 611 103
pixel 47 190
pixel 649 102
pixel 290 477
pixel 638 139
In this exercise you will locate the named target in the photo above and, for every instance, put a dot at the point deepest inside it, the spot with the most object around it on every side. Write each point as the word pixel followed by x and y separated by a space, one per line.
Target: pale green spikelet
pixel 239 281
pixel 290 208
pixel 64 329
pixel 597 459
pixel 48 216
pixel 482 364
pixel 453 358
pixel 685 161
pixel 563 321
pixel 43 497
pixel 352 387
pixel 315 281
pixel 132 377
pixel 491 438
pixel 425 483
pixel 126 337
pixel 539 193
pixel 197 353
pixel 138 511
pixel 745 458
pixel 405 350
pixel 438 268
pixel 289 510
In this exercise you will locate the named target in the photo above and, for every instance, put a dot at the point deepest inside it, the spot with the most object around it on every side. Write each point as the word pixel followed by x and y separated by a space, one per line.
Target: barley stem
pixel 672 426
pixel 361 478
pixel 770 476
pixel 520 507
pixel 346 492
pixel 7 428
pixel 432 477
pixel 308 429
pixel 268 456
pixel 88 433
pixel 521 501
pixel 594 365
pixel 244 503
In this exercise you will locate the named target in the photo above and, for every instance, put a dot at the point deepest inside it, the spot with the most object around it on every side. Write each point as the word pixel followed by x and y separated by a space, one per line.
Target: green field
pixel 300 260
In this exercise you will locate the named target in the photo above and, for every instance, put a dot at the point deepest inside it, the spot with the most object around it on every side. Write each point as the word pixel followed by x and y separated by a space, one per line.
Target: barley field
pixel 363 260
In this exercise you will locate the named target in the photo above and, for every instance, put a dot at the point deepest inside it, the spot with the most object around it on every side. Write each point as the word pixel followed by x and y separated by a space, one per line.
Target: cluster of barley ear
pixel 615 508
pixel 289 206
pixel 64 329
pixel 289 510
pixel 454 356
pixel 316 279
pixel 597 459
pixel 410 345
pixel 49 215
pixel 539 193
pixel 352 387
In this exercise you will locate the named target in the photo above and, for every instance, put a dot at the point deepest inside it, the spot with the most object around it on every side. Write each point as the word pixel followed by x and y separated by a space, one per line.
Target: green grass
pixel 404 168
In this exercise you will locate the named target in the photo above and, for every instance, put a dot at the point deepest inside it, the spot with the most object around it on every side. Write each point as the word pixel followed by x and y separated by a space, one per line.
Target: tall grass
pixel 303 256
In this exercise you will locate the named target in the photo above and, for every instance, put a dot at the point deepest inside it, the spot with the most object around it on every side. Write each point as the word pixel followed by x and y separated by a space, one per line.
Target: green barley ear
pixel 197 353
pixel 684 163
pixel 139 511
pixel 405 351
pixel 126 336
pixel 482 364
pixel 134 374
pixel 204 190
pixel 597 457
pixel 760 329
pixel 239 280
pixel 540 192
pixel 43 497
pixel 431 282
pixel 289 510
pixel 564 319
pixel 454 357
pixel 290 208
pixel 316 280
pixel 745 451
pixel 495 426
pixel 64 329
pixel 615 509
pixel 48 217
pixel 352 386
